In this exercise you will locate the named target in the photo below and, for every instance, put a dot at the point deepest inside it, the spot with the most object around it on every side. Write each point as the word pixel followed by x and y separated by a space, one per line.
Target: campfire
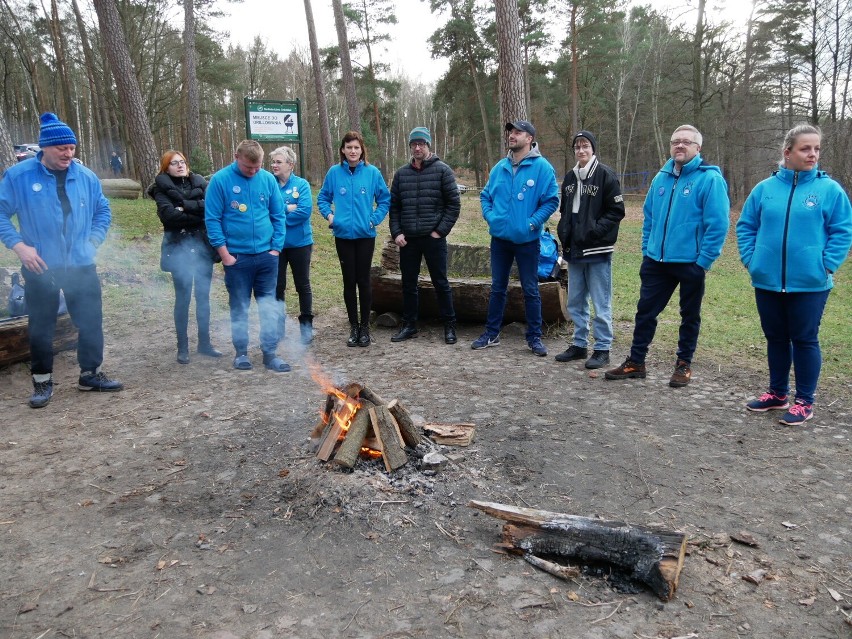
pixel 355 422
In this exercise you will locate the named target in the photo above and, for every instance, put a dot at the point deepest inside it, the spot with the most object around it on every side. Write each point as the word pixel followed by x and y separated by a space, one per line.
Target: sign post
pixel 276 121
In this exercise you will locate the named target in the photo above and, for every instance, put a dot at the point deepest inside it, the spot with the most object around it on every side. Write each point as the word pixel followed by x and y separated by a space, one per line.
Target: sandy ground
pixel 190 505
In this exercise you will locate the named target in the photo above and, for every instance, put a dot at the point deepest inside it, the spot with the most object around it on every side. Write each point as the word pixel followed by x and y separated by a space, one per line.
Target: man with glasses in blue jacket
pixel 686 222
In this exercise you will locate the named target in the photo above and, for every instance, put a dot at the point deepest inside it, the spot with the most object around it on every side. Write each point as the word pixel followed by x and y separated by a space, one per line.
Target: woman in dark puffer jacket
pixel 186 252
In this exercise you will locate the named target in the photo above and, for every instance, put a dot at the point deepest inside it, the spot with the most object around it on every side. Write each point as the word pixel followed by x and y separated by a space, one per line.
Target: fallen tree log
pixel 15 338
pixel 470 298
pixel 651 556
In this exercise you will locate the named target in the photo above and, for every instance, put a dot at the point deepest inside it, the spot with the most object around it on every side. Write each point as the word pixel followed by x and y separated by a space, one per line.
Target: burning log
pixel 366 393
pixel 339 419
pixel 387 432
pixel 410 434
pixel 352 444
pixel 652 556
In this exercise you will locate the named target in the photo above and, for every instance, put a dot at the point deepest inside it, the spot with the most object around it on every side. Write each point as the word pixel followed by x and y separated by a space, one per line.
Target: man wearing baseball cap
pixel 519 198
pixel 63 218
pixel 424 206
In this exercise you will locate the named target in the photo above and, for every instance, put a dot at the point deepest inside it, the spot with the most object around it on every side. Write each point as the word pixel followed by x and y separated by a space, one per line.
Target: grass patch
pixel 730 331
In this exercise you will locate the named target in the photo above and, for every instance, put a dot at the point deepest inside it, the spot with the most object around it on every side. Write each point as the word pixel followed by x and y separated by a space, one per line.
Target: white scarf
pixel 581 175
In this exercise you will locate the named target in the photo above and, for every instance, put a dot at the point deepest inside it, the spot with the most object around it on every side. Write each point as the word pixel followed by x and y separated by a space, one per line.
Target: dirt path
pixel 190 506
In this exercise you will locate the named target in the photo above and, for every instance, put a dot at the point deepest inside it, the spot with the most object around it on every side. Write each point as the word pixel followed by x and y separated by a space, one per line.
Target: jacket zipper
pixel 666 225
pixel 784 237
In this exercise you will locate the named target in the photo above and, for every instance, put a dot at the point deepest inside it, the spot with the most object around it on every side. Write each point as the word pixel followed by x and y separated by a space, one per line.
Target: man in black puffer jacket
pixel 425 205
pixel 592 207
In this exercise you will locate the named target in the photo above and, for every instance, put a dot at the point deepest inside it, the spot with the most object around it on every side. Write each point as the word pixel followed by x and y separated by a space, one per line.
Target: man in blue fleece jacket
pixel 686 221
pixel 520 196
pixel 244 213
pixel 63 217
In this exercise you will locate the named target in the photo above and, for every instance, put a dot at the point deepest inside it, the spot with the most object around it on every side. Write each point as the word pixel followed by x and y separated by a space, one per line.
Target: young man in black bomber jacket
pixel 592 207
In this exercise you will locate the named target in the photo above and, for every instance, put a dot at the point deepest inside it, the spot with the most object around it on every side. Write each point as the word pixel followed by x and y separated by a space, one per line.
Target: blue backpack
pixel 548 258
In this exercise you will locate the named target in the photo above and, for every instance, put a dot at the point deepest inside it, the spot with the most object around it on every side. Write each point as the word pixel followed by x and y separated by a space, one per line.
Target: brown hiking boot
pixel 682 374
pixel 629 369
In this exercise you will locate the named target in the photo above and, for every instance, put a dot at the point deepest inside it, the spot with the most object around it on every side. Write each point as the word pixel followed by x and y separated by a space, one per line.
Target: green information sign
pixel 274 120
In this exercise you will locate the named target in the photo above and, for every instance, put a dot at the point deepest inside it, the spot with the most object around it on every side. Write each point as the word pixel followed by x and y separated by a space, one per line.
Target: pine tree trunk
pixel 144 160
pixel 193 105
pixel 319 86
pixel 346 68
pixel 7 154
pixel 511 67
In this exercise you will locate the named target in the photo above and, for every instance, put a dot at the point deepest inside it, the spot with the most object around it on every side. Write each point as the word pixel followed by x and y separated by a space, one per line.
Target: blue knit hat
pixel 420 133
pixel 54 132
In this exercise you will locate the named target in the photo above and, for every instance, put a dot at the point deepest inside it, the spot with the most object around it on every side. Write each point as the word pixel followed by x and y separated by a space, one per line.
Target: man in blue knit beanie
pixel 63 217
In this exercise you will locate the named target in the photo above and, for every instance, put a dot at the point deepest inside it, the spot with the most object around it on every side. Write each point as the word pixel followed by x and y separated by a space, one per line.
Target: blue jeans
pixel 591 281
pixel 253 273
pixel 659 281
pixel 199 274
pixel 82 290
pixel 503 253
pixel 435 251
pixel 790 322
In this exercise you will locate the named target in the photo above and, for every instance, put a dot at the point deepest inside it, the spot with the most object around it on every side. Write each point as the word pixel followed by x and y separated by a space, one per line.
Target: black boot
pixel 306 328
pixel 364 335
pixel 407 331
pixel 205 347
pixel 354 334
pixel 450 333
pixel 182 349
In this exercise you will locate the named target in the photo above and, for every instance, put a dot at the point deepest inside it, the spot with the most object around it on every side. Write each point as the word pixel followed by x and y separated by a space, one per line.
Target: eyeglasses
pixel 417 143
pixel 279 162
pixel 177 163
pixel 582 147
pixel 683 142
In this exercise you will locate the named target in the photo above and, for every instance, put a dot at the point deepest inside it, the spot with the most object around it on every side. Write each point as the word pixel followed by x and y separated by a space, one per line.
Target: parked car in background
pixel 26 151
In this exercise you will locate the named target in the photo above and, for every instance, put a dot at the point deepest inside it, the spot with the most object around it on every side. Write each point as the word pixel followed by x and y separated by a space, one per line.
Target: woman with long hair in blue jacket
pixel 794 232
pixel 361 200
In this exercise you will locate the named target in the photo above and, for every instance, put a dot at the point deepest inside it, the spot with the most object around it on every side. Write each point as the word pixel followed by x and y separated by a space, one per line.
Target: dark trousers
pixel 503 253
pixel 253 274
pixel 790 322
pixel 299 261
pixel 434 250
pixel 356 257
pixel 659 281
pixel 82 290
pixel 200 276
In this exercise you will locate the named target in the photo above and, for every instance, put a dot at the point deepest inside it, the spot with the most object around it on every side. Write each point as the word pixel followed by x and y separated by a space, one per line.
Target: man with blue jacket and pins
pixel 519 198
pixel 63 217
pixel 686 221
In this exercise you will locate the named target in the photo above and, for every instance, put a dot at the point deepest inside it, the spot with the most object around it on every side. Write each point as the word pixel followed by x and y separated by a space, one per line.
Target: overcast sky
pixel 284 27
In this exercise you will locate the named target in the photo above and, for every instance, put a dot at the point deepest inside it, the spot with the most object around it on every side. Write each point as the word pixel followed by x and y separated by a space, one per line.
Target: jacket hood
pixel 695 164
pixel 534 153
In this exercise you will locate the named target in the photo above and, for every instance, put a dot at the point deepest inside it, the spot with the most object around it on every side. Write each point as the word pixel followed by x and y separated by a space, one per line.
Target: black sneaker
pixel 42 392
pixel 98 382
pixel 572 353
pixel 599 359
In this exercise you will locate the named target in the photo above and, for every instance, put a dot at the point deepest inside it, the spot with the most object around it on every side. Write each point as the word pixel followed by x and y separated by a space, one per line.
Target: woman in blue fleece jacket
pixel 794 232
pixel 361 200
pixel 298 241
